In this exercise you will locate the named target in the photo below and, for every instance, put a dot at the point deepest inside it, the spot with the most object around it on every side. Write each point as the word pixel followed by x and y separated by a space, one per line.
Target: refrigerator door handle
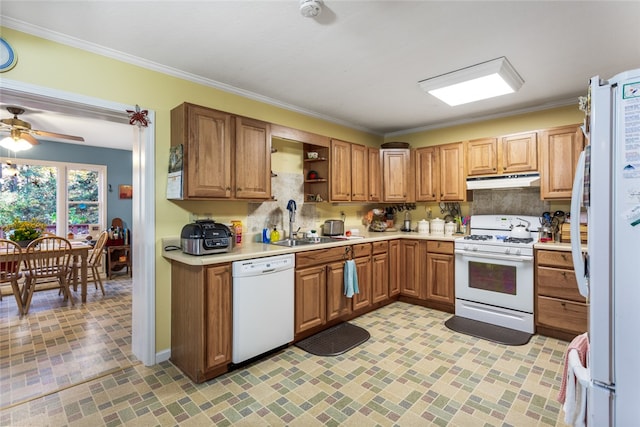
pixel 576 250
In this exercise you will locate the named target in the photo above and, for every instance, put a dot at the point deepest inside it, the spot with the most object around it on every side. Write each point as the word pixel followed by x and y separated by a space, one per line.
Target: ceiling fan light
pixel 482 81
pixel 16 145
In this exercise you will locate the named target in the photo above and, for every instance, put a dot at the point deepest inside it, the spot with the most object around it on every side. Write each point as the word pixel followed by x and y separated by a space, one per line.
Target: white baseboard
pixel 163 355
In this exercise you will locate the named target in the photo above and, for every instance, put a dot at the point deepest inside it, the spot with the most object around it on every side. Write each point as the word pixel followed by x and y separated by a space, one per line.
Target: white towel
pixel 575 381
pixel 350 279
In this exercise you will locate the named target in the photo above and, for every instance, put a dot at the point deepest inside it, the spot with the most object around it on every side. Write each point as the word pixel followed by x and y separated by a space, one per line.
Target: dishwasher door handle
pixel 270 270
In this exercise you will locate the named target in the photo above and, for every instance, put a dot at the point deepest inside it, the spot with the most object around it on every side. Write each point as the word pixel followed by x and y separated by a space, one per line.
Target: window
pixel 68 197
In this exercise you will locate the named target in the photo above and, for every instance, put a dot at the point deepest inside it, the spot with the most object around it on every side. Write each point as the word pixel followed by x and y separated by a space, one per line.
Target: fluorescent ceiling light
pixel 17 144
pixel 486 80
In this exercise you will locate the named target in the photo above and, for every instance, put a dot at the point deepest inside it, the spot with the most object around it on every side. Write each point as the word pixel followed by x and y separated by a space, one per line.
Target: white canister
pixel 423 227
pixel 437 226
pixel 449 228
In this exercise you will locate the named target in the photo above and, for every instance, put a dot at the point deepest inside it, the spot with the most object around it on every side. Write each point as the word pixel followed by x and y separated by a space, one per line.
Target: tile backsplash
pixel 284 187
pixel 515 201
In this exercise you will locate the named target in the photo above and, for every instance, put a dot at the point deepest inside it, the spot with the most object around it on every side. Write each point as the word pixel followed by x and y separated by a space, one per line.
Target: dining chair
pixel 93 263
pixel 47 258
pixel 10 262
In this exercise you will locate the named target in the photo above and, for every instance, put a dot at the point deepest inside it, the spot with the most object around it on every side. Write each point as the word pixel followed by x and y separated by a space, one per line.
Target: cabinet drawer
pixel 380 247
pixel 440 247
pixel 363 249
pixel 558 283
pixel 320 256
pixel 561 314
pixel 555 258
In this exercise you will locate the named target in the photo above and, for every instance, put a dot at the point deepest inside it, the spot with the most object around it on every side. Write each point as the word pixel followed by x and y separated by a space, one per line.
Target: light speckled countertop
pixel 556 246
pixel 249 250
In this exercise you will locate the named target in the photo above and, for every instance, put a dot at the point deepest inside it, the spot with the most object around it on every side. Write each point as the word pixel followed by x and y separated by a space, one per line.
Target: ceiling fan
pixel 19 129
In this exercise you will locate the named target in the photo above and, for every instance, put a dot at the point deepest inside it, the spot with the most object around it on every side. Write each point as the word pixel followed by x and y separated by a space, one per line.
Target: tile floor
pixel 73 366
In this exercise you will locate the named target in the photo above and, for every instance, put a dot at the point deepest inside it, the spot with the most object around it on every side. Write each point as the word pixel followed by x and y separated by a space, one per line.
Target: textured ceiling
pixel 359 62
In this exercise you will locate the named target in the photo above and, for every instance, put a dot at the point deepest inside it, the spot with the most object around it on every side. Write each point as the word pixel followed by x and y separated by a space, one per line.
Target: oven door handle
pixel 516 258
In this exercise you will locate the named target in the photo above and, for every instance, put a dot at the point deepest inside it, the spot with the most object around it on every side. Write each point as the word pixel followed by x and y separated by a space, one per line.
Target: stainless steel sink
pixel 301 242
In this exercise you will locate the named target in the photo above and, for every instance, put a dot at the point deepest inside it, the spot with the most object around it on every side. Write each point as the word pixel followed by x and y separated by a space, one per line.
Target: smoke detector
pixel 310 8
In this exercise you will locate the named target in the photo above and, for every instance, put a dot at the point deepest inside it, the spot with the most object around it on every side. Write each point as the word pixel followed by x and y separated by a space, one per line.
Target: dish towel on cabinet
pixel 575 381
pixel 350 279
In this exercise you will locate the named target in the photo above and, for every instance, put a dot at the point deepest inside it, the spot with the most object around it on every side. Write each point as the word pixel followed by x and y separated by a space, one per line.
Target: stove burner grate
pixel 478 237
pixel 518 240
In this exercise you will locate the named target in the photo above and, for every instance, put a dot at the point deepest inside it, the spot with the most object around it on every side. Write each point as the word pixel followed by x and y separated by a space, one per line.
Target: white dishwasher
pixel 263 305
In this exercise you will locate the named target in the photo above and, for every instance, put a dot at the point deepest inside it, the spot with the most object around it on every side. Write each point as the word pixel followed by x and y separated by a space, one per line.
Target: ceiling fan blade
pixel 29 138
pixel 57 135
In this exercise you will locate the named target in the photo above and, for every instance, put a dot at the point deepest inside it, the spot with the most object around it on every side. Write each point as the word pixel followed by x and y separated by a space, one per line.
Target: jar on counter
pixel 437 226
pixel 237 230
pixel 449 228
pixel 423 226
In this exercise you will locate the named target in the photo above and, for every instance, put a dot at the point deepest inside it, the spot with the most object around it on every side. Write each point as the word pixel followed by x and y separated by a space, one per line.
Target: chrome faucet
pixel 291 207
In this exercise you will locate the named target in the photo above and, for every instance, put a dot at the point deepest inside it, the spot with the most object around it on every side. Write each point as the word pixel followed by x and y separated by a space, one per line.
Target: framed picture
pixel 125 191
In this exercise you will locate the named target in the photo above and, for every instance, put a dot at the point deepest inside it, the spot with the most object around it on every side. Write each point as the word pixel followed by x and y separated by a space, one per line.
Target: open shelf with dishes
pixel 316 173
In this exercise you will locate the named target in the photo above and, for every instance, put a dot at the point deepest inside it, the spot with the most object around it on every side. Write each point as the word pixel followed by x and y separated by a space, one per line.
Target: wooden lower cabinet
pixel 338 305
pixel 440 270
pixel 362 299
pixel 410 283
pixel 201 322
pixel 394 268
pixel 310 297
pixel 380 272
pixel 560 311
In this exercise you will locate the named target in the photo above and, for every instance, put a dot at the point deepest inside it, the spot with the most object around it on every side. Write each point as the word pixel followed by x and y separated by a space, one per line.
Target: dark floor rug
pixel 335 340
pixel 487 331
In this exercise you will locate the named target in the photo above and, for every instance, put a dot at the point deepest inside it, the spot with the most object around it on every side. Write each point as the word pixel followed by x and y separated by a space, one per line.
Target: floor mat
pixel 335 340
pixel 487 331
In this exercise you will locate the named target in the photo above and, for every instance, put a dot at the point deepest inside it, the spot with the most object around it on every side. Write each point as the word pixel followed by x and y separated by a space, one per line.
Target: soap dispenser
pixel 275 235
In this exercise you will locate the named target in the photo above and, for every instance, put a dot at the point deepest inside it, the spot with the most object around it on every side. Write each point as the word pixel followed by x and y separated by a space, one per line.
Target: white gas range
pixel 494 272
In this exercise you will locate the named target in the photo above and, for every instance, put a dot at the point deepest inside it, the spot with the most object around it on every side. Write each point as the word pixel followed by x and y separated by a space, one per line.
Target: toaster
pixel 333 227
pixel 206 237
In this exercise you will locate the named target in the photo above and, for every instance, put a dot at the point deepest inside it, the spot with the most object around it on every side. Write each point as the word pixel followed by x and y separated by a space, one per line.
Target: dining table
pixel 79 252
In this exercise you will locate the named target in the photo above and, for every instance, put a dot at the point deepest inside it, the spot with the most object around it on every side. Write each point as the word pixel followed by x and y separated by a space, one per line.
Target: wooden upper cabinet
pixel 427 174
pixel 559 151
pixel 482 156
pixel 375 175
pixel 225 156
pixel 359 173
pixel 253 159
pixel 518 153
pixel 452 180
pixel 205 136
pixel 504 155
pixel 396 168
pixel 340 185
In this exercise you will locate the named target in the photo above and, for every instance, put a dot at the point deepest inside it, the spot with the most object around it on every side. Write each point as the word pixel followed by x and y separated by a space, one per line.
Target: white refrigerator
pixel 607 183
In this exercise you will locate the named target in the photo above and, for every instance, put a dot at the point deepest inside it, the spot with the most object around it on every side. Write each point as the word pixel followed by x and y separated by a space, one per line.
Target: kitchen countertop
pixel 249 250
pixel 556 246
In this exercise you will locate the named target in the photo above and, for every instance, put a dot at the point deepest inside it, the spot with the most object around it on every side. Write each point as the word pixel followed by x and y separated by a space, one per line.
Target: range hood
pixel 503 181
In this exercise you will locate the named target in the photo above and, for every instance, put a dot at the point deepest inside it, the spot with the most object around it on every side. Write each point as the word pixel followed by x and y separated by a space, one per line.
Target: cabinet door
pixel 379 278
pixel 482 156
pixel 394 268
pixel 217 316
pixel 440 285
pixel 338 304
pixel 452 180
pixel 310 298
pixel 518 153
pixel 252 159
pixel 375 176
pixel 207 145
pixel 410 269
pixel 340 184
pixel 359 173
pixel 395 170
pixel 559 151
pixel 363 298
pixel 427 174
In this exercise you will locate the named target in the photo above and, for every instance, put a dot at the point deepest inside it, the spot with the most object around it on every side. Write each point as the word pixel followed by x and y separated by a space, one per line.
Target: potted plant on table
pixel 24 232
